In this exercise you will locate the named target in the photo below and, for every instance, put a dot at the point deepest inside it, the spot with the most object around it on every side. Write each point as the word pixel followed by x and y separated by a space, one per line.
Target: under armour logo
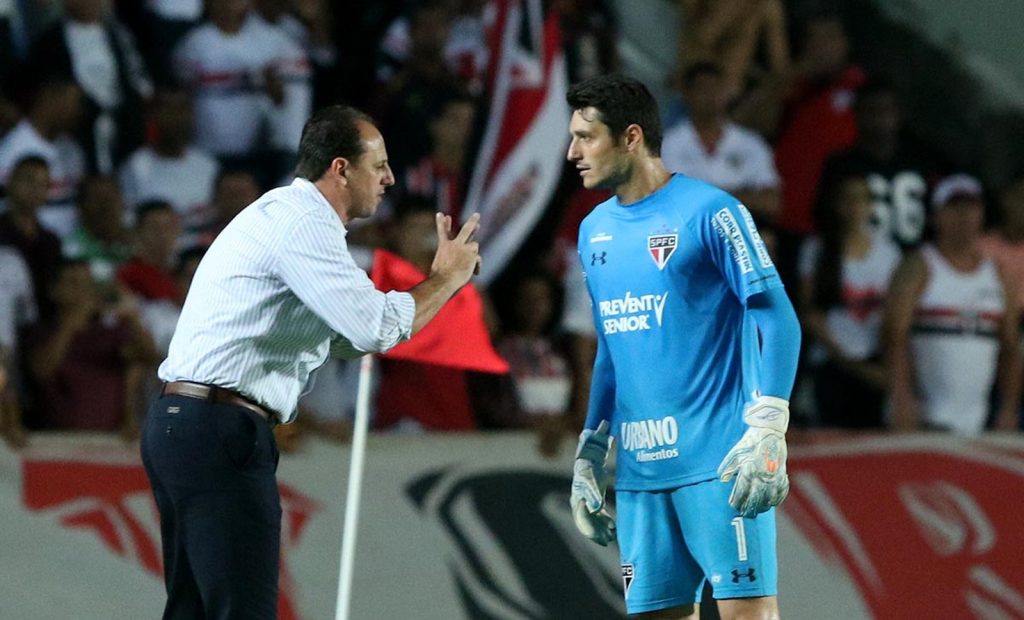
pixel 598 257
pixel 737 574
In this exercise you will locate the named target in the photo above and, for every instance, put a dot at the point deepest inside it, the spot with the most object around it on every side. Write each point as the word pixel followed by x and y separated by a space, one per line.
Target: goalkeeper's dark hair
pixel 331 132
pixel 620 101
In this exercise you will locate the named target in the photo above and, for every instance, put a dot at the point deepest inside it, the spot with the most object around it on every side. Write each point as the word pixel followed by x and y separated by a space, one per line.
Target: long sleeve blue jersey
pixel 678 357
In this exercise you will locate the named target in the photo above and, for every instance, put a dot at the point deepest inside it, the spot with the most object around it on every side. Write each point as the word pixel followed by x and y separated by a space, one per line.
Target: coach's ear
pixel 340 167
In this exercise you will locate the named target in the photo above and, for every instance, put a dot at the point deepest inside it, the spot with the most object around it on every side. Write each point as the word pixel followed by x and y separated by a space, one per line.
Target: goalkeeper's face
pixel 601 160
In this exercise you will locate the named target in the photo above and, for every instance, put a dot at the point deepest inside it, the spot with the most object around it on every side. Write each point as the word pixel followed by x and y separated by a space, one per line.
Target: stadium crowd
pixel 132 132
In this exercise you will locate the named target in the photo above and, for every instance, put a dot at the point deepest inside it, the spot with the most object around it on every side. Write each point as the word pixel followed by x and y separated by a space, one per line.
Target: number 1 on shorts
pixel 741 539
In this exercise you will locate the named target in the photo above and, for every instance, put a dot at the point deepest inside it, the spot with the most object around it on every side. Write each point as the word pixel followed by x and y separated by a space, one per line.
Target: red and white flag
pixel 521 154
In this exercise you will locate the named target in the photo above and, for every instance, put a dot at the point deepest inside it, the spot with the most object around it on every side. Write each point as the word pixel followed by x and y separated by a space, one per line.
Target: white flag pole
pixel 355 483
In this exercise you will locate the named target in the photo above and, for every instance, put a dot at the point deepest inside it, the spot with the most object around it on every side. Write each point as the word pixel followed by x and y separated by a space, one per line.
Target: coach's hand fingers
pixel 444 226
pixel 470 227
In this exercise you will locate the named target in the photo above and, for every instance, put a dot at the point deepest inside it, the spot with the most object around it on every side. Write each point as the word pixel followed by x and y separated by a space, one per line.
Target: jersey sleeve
pixel 727 232
pixel 601 405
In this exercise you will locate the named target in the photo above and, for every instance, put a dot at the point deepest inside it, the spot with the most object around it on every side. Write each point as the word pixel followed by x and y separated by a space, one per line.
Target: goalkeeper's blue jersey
pixel 669 277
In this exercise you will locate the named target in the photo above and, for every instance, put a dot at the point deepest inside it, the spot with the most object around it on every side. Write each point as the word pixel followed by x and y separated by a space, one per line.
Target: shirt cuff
pixel 399 311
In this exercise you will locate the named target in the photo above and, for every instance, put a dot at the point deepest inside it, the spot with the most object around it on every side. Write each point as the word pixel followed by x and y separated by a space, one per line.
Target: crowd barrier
pixel 477 526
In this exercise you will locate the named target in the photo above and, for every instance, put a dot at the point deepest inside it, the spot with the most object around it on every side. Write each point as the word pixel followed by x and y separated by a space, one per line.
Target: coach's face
pixel 600 158
pixel 369 175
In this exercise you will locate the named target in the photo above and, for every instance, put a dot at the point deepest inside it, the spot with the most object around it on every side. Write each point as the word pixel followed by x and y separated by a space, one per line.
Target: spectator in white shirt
pixel 249 81
pixel 309 24
pixel 172 169
pixel 55 111
pixel 91 46
pixel 712 148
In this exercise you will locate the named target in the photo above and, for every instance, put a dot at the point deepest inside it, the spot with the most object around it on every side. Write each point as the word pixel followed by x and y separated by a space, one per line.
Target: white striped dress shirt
pixel 276 293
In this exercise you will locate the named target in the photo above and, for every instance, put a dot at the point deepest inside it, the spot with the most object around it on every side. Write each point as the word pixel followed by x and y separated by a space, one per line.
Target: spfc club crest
pixel 662 247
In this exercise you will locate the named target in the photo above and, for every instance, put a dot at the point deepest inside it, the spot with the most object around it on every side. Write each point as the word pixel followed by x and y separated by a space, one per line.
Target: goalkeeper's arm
pixel 758 460
pixel 590 479
pixel 780 341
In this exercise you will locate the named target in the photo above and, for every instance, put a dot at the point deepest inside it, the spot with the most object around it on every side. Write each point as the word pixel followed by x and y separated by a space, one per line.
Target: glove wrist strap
pixel 768 412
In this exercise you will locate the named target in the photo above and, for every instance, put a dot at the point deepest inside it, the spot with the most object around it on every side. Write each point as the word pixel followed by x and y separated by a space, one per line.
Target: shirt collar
pixel 306 186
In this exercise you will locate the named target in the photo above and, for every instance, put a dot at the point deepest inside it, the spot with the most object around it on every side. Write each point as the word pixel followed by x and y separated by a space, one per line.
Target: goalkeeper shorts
pixel 671 541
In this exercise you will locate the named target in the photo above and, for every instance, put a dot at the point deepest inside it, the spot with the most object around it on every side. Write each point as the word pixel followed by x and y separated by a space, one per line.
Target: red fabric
pixel 148 280
pixel 821 122
pixel 436 397
pixel 87 391
pixel 457 337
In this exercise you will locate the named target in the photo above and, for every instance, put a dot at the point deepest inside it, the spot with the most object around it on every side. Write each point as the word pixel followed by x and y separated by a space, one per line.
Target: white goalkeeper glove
pixel 589 482
pixel 758 460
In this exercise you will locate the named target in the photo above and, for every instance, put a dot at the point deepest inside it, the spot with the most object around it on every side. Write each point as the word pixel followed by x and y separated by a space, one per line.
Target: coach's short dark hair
pixel 331 132
pixel 620 102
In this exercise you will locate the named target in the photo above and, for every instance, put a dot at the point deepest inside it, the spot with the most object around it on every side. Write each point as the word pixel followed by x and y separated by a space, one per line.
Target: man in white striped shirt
pixel 276 293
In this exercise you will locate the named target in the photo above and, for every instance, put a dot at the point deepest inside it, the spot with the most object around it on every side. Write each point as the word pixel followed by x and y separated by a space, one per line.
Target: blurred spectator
pixel 577 320
pixel 165 24
pixel 150 272
pixel 292 69
pixel 233 190
pixel 712 148
pixel 952 324
pixel 407 101
pixel 239 70
pixel 439 176
pixel 540 370
pixel 308 23
pixel 413 395
pixel 172 169
pixel 897 176
pixel 17 299
pixel 81 362
pixel 101 239
pixel 1005 244
pixel 589 36
pixel 811 107
pixel 845 273
pixel 21 230
pixel 328 408
pixel 732 34
pixel 17 310
pixel 160 316
pixel 12 428
pixel 54 112
pixel 454 30
pixel 91 46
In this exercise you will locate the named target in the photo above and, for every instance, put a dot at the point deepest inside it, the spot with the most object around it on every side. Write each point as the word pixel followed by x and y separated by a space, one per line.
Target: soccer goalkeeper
pixel 697 353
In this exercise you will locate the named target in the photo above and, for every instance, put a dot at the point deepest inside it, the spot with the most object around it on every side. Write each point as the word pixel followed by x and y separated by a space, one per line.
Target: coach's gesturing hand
pixel 456 260
pixel 589 483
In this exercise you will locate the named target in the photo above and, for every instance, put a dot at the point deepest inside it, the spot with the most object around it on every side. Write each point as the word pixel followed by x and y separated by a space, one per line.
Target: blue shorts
pixel 671 541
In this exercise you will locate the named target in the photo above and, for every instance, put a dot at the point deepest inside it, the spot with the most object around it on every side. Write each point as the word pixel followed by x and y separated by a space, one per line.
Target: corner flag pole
pixel 355 483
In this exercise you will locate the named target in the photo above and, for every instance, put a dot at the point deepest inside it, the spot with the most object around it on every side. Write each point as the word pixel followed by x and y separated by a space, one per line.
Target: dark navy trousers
pixel 213 472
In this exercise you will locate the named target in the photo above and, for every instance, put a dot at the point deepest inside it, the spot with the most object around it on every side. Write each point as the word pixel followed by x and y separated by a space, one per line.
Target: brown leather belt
pixel 215 394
